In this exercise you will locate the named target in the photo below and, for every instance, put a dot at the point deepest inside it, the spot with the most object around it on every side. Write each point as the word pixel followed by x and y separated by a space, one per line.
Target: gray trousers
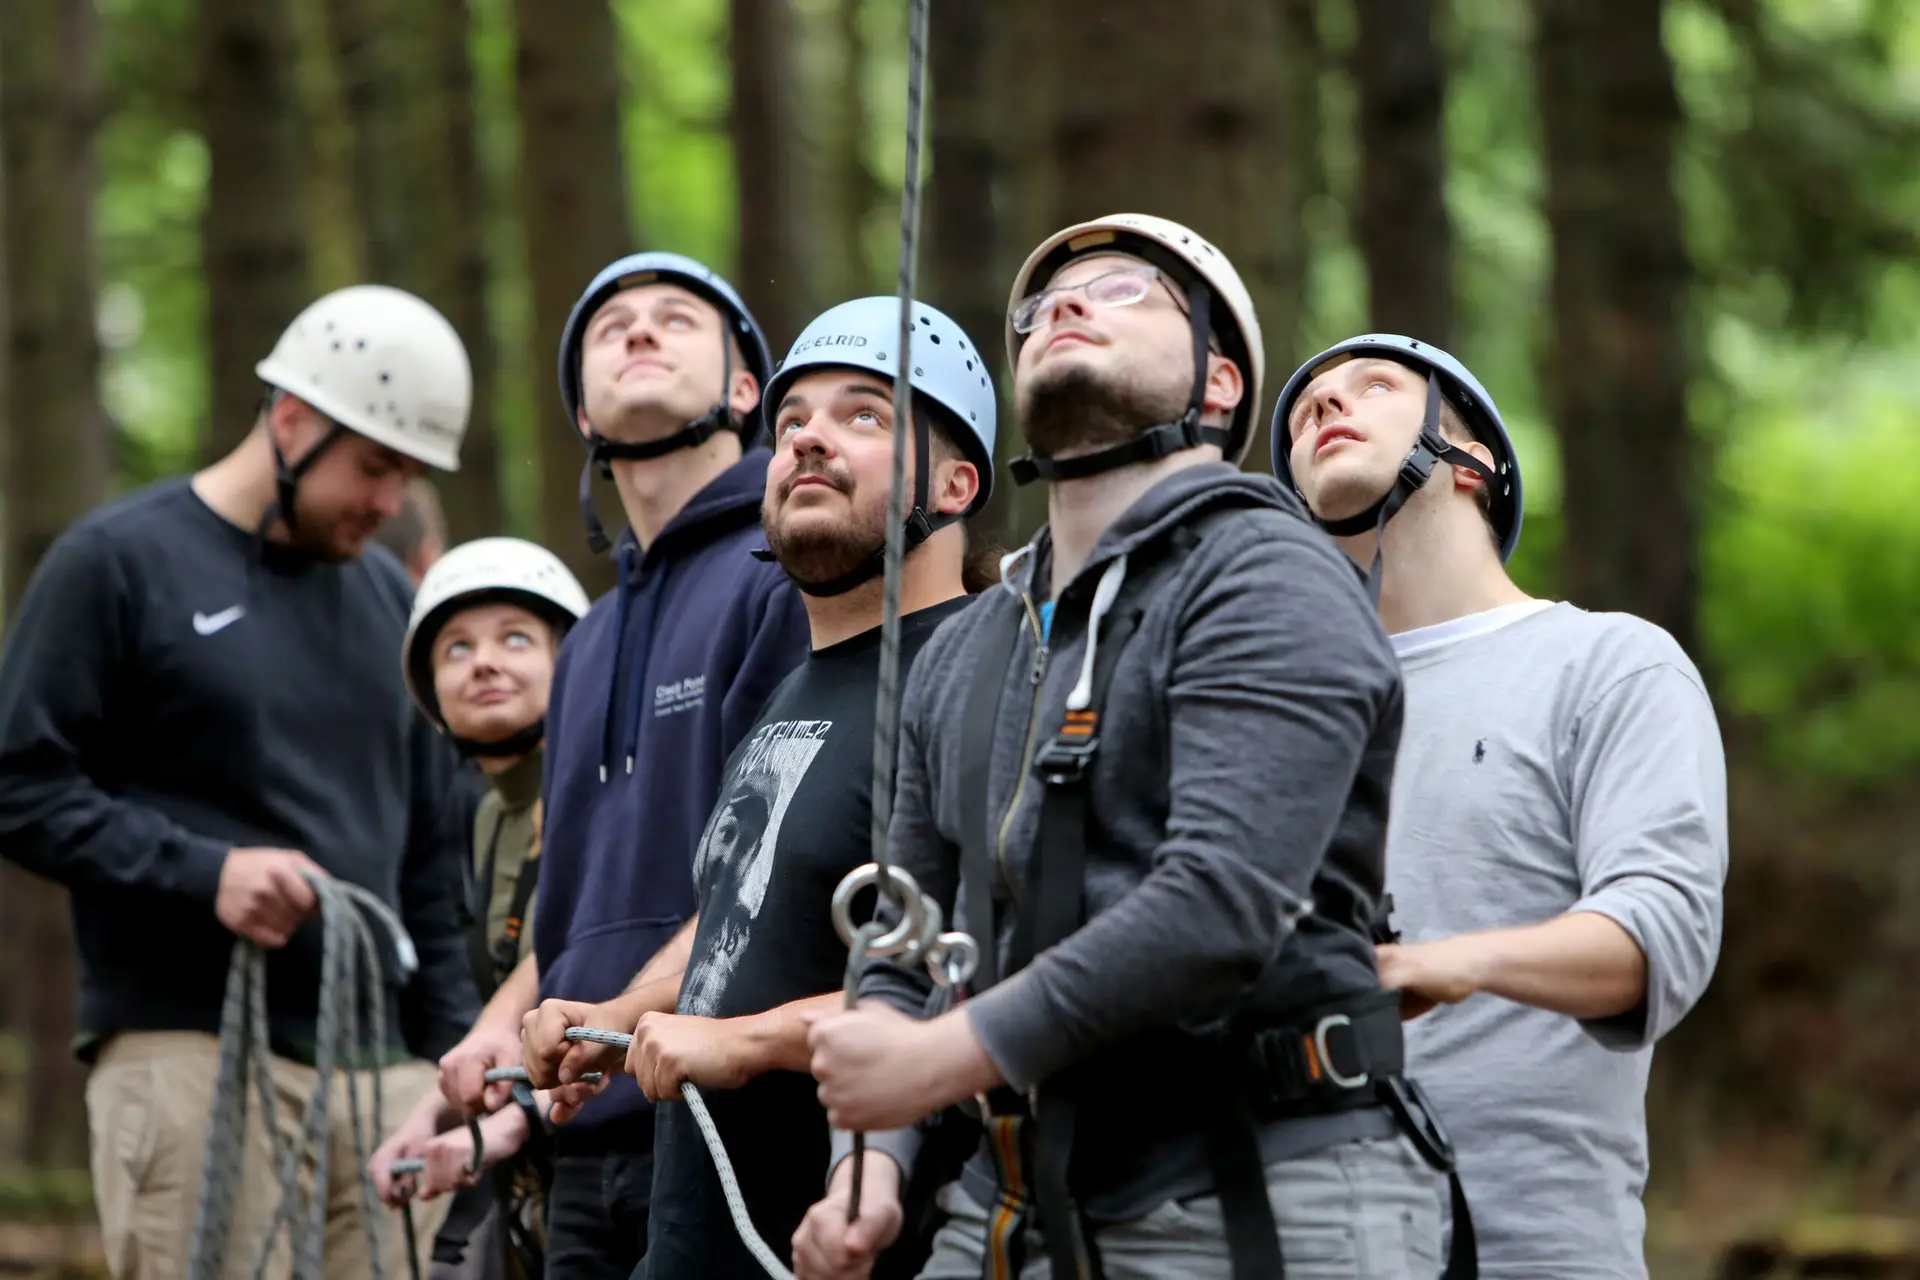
pixel 1367 1210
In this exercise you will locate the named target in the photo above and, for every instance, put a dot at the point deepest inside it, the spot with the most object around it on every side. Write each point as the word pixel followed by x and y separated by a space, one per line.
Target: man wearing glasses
pixel 1176 1036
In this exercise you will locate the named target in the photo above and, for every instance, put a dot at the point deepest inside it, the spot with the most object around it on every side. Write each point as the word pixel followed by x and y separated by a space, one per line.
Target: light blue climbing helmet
pixel 663 268
pixel 1447 377
pixel 946 368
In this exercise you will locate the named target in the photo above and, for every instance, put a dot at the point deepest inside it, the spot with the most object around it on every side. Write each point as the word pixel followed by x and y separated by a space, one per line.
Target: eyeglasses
pixel 1120 287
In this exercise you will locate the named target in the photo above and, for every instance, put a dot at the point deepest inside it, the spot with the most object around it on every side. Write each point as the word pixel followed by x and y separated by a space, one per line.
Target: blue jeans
pixel 597 1215
pixel 1366 1210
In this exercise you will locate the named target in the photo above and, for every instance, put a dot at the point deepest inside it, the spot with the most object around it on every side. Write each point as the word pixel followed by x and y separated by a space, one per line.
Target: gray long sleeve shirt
pixel 1564 761
pixel 1246 748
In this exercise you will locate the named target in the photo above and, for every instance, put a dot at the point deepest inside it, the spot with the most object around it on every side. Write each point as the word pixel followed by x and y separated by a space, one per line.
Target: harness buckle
pixel 1334 1073
pixel 1064 761
pixel 1065 764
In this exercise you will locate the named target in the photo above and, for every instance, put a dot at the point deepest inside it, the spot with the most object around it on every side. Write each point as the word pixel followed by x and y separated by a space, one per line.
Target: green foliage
pixel 1802 206
pixel 1812 565
pixel 152 170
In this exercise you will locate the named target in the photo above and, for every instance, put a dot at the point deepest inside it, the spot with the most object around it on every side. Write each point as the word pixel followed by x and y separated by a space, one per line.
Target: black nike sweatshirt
pixel 171 689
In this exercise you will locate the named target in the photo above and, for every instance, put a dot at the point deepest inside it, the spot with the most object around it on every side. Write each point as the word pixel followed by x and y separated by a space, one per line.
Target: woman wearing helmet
pixel 1558 834
pixel 478 658
pixel 1156 766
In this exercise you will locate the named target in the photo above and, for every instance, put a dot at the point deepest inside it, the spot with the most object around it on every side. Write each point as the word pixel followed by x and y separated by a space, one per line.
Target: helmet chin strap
pixel 920 525
pixel 514 744
pixel 1429 449
pixel 1155 442
pixel 286 475
pixel 602 452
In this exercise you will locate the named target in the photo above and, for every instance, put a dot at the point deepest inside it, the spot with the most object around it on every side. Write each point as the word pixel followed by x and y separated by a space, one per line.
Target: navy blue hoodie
pixel 651 693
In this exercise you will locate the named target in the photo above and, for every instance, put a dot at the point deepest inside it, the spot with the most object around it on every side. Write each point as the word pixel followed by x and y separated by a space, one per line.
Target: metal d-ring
pixel 953 959
pixel 913 908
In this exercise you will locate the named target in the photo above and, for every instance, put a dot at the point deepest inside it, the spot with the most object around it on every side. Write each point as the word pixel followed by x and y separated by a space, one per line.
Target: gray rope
pixel 729 1183
pixel 886 720
pixel 349 971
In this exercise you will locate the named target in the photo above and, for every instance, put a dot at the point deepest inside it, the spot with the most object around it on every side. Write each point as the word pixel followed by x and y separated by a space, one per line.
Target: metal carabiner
pixel 906 932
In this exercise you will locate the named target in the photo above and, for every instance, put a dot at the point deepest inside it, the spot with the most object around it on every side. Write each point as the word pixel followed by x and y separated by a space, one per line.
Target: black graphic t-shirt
pixel 792 819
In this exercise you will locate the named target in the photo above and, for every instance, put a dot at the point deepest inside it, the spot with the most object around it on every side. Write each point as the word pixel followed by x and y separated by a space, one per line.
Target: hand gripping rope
pixel 349 972
pixel 729 1183
pixel 916 936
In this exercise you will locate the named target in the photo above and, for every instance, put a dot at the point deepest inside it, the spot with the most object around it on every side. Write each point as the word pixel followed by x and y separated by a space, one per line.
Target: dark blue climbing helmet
pixel 649 268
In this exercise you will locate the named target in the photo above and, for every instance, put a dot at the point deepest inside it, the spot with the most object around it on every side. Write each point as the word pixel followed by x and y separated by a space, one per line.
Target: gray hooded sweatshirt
pixel 1246 749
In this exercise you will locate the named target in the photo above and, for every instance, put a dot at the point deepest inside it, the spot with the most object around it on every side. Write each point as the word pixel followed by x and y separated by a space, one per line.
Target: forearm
pixel 70 831
pixel 1581 964
pixel 656 988
pixel 777 1039
pixel 515 997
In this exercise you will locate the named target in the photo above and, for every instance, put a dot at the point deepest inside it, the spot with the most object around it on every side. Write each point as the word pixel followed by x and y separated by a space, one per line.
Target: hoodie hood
pixel 1177 498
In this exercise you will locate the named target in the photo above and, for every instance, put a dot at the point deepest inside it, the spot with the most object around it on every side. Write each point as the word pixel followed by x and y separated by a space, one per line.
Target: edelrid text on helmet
pixel 944 369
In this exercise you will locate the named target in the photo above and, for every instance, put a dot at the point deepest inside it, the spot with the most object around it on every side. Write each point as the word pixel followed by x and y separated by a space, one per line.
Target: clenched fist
pixel 264 894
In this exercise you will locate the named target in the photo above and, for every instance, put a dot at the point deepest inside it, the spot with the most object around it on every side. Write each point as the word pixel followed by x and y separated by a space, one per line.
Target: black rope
pixel 886 721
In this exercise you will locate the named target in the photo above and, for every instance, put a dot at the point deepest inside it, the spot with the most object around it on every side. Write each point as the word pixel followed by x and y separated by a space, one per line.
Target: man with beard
pixel 199 709
pixel 795 812
pixel 1176 1036
pixel 1558 845
pixel 661 368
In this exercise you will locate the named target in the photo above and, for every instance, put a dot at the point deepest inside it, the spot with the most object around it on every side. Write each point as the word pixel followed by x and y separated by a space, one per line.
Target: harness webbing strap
pixel 1010 1146
pixel 978 914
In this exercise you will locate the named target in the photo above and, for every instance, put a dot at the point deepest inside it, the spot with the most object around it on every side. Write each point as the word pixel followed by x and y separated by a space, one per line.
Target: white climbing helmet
pixel 1234 320
pixel 512 570
pixel 382 363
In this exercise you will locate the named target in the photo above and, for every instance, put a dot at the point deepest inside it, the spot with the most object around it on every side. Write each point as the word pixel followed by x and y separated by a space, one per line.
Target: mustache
pixel 835 476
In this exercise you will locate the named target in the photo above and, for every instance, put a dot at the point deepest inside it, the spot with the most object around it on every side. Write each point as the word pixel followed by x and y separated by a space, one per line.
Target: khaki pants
pixel 149 1100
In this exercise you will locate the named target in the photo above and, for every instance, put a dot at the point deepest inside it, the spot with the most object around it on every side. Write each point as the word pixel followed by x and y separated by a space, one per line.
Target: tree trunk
pixel 1401 222
pixel 408 83
pixel 1618 358
pixel 574 213
pixel 964 267
pixel 851 187
pixel 1207 144
pixel 253 235
pixel 765 151
pixel 55 466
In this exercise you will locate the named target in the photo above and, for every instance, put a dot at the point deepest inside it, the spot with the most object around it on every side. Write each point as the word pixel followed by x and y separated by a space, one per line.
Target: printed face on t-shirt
pixel 735 860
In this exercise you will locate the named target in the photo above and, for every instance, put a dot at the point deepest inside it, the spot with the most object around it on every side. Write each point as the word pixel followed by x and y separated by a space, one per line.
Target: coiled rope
pixel 350 971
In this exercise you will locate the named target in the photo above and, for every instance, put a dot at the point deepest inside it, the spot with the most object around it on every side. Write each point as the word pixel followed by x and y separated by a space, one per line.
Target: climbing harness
pixel 350 971
pixel 1343 1055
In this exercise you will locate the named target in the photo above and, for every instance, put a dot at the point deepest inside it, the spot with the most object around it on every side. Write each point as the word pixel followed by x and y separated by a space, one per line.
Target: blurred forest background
pixel 1680 241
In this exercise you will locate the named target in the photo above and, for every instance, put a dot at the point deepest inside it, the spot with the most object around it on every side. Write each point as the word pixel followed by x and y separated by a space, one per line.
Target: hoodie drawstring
pixel 636 708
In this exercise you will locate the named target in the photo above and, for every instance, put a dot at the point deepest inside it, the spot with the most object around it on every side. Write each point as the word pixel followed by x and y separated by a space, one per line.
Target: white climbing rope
pixel 729 1184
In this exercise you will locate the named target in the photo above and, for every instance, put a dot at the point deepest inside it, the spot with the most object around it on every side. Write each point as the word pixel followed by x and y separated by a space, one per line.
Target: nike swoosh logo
pixel 208 623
